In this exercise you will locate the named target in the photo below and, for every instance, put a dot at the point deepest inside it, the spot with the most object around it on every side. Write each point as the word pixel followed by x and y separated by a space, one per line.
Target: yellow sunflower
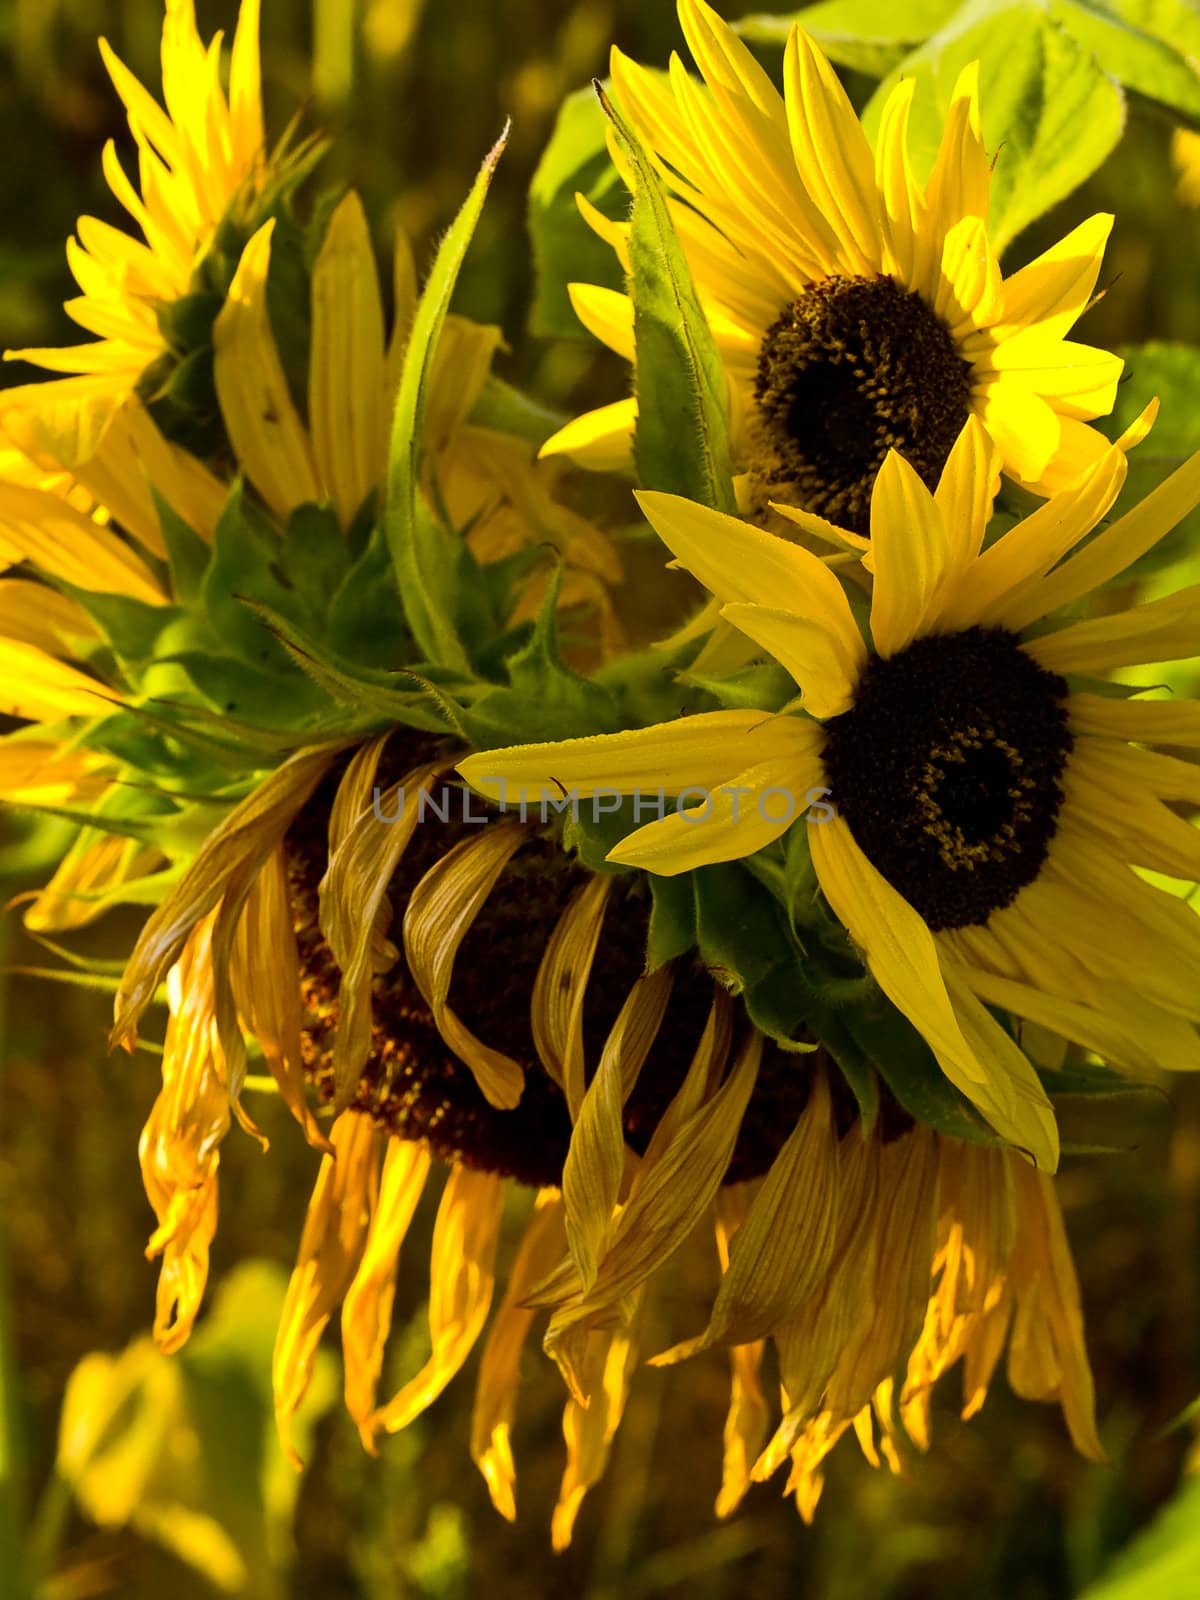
pixel 196 158
pixel 638 1109
pixel 974 819
pixel 855 309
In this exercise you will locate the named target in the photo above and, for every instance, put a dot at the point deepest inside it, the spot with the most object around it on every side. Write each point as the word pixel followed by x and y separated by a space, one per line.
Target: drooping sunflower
pixel 198 159
pixel 855 309
pixel 984 815
pixel 636 1106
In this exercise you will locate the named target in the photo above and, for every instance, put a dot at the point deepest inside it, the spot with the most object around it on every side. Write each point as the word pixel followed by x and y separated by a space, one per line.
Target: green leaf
pixel 1147 45
pixel 681 442
pixel 424 557
pixel 1163 1559
pixel 766 687
pixel 1049 111
pixel 862 34
pixel 539 675
pixel 565 249
pixel 907 1065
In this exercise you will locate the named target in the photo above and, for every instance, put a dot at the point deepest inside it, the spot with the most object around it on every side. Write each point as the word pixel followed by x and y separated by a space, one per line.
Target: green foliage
pixel 1148 46
pixel 565 250
pixel 424 555
pixel 1164 1560
pixel 1048 109
pixel 681 442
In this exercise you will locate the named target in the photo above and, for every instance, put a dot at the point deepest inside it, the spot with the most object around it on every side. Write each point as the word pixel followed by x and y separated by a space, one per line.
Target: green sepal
pixel 423 553
pixel 672 929
pixel 132 628
pixel 681 440
pixel 188 555
pixel 504 409
pixel 236 689
pixel 766 687
pixel 909 1068
pixel 565 249
pixel 372 694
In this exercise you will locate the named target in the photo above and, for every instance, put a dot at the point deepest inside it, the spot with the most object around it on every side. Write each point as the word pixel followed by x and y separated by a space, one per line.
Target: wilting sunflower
pixel 635 1106
pixel 199 159
pixel 988 815
pixel 855 310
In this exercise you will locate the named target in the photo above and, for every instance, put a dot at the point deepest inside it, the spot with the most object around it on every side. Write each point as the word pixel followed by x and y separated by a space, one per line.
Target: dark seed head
pixel 415 1088
pixel 947 770
pixel 852 369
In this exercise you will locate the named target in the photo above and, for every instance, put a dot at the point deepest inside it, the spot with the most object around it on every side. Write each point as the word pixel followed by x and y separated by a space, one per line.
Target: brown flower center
pixel 853 368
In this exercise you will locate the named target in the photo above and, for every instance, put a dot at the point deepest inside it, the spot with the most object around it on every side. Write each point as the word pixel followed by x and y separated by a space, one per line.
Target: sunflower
pixel 636 1107
pixel 198 158
pixel 981 818
pixel 854 309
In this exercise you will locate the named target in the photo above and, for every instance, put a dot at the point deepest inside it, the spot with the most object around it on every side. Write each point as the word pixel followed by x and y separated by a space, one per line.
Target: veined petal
pixel 782 1251
pixel 461 1280
pixel 597 1155
pixel 331 1246
pixel 560 988
pixel 63 543
pixel 969 290
pixel 832 154
pixel 1115 547
pixel 903 956
pixel 345 383
pixel 1159 630
pixel 814 655
pixel 43 689
pixel 367 1307
pixel 992 587
pixel 608 1362
pixel 902 202
pixel 499 1366
pixel 741 817
pixel 909 553
pixel 1173 722
pixel 965 493
pixel 741 563
pixel 242 843
pixel 260 419
pixel 438 917
pixel 692 753
pixel 1053 290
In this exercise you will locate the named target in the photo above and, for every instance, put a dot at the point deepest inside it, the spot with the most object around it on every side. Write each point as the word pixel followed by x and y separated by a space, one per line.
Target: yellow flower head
pixel 855 309
pixel 975 819
pixel 195 158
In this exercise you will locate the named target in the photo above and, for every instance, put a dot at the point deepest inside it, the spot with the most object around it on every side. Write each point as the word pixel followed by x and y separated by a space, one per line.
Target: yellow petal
pixel 560 988
pixel 439 915
pixel 692 753
pixel 815 655
pixel 367 1307
pixel 1116 547
pixel 60 541
pixel 1159 630
pixel 903 958
pixel 240 844
pixel 740 817
pixel 499 1366
pixel 345 380
pixel 1174 722
pixel 461 1280
pixel 597 1155
pixel 909 555
pixel 335 1230
pixel 35 614
pixel 589 1430
pixel 600 440
pixel 260 419
pixel 965 493
pixel 1053 290
pixel 782 1252
pixel 43 689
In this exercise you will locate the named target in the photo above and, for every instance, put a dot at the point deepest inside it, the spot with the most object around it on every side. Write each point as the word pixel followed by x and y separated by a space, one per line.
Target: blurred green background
pixel 414 94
